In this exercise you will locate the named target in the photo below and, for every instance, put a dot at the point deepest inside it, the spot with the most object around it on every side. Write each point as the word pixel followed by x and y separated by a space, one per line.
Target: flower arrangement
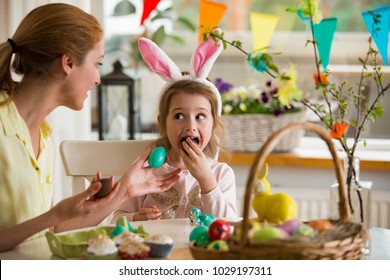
pixel 253 99
pixel 347 98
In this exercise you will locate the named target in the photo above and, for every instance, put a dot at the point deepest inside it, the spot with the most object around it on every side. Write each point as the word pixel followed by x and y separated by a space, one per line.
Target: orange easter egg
pixel 320 225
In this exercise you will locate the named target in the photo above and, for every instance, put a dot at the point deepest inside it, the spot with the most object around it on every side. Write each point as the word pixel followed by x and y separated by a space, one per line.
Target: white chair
pixel 83 159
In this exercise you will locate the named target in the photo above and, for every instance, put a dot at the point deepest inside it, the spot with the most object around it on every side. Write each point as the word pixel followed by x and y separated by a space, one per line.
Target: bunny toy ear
pixel 204 57
pixel 158 60
pixel 202 61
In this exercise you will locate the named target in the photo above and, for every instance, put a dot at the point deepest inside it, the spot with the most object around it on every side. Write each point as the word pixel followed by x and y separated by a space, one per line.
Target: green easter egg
pixel 157 157
pixel 198 230
pixel 202 240
pixel 267 233
pixel 218 245
pixel 118 230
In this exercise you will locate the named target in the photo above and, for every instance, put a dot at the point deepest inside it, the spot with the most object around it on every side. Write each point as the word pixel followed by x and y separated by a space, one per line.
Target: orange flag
pixel 210 14
pixel 262 26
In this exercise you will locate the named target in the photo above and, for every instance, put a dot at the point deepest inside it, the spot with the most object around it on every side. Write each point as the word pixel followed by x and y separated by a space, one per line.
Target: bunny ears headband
pixel 201 62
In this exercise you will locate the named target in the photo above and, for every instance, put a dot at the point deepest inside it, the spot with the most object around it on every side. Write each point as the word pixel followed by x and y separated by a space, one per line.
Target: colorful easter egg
pixel 320 225
pixel 196 231
pixel 105 189
pixel 304 230
pixel 122 221
pixel 290 226
pixel 267 233
pixel 202 240
pixel 157 157
pixel 218 245
pixel 118 230
pixel 219 230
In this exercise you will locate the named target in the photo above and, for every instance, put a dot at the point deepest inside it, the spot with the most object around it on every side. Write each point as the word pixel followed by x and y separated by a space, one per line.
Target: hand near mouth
pixel 198 165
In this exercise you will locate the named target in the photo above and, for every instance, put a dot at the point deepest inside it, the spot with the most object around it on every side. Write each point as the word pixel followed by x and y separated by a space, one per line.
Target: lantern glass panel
pixel 115 112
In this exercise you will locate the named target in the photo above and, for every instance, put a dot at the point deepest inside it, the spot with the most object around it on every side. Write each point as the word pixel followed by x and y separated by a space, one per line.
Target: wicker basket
pixel 248 132
pixel 347 243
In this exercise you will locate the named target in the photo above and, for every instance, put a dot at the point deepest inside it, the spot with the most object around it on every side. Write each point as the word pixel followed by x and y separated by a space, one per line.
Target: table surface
pixel 179 230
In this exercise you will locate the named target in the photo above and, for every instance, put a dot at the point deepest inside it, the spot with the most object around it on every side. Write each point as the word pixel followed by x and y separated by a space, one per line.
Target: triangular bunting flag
pixel 262 27
pixel 323 32
pixel 210 14
pixel 149 6
pixel 378 24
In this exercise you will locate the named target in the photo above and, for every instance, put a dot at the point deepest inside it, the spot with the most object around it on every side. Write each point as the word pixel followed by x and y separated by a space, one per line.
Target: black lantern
pixel 118 106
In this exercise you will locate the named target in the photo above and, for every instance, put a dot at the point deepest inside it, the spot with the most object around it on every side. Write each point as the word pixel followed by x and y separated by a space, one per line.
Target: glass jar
pixel 358 195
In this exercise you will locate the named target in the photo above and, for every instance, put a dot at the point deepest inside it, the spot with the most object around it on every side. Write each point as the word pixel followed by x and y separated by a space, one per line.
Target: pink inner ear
pixel 203 52
pixel 153 58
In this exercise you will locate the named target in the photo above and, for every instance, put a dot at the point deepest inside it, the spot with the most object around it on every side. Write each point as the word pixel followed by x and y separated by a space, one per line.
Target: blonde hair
pixel 196 88
pixel 43 36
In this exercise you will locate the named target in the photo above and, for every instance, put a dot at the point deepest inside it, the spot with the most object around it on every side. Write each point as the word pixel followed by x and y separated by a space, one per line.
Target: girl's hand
pixel 197 163
pixel 139 180
pixel 149 213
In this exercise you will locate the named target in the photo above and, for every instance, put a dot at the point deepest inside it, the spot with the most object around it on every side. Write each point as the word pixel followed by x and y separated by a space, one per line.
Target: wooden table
pixel 179 230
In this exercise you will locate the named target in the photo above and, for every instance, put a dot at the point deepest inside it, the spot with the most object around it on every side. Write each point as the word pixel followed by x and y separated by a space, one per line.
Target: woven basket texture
pixel 248 132
pixel 345 242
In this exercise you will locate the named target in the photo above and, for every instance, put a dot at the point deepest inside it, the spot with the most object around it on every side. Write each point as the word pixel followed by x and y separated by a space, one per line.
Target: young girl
pixel 191 131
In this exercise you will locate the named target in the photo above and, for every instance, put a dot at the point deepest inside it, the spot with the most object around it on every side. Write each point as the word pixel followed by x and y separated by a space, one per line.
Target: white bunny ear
pixel 204 57
pixel 158 60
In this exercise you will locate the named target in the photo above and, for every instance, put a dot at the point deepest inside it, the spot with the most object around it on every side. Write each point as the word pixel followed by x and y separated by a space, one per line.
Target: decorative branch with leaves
pixel 347 97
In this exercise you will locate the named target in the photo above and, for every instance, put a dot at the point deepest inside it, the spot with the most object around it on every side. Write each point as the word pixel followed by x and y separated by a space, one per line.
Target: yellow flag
pixel 262 26
pixel 210 14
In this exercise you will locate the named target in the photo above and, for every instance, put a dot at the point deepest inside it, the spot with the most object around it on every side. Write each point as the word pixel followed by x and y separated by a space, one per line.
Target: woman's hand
pixel 139 180
pixel 147 213
pixel 85 202
pixel 198 164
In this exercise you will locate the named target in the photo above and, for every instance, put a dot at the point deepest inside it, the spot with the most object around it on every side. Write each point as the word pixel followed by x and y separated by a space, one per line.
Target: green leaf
pixel 159 35
pixel 175 38
pixel 379 110
pixel 186 23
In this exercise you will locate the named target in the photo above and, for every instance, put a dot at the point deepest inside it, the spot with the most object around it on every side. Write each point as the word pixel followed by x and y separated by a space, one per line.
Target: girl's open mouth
pixel 194 139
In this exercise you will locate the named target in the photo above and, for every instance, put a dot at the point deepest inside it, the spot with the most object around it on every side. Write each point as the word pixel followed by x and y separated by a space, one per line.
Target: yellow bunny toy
pixel 273 208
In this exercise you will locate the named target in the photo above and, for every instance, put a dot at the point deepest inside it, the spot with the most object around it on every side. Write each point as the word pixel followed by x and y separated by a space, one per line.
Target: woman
pixel 57 50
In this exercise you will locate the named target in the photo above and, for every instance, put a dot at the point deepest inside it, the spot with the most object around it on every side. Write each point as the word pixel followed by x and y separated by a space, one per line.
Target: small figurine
pixel 273 208
pixel 196 217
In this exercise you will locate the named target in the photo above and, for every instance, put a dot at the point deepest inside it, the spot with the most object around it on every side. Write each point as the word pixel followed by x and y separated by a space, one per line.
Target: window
pixel 290 37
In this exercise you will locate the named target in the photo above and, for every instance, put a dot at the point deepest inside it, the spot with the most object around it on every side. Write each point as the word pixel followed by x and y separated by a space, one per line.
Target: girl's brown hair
pixel 191 87
pixel 45 34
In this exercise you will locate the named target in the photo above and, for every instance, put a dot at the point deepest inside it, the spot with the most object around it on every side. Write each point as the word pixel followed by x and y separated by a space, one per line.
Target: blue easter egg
pixel 157 157
pixel 117 230
pixel 197 231
pixel 202 240
pixel 304 230
pixel 131 228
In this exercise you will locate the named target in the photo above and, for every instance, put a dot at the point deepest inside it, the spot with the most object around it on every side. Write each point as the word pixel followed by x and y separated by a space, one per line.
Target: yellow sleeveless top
pixel 25 181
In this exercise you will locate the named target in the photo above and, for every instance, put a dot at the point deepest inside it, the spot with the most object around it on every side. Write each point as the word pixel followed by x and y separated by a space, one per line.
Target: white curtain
pixel 67 124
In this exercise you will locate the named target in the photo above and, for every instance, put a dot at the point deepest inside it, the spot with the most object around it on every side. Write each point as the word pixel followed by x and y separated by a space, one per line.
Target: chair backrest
pixel 83 159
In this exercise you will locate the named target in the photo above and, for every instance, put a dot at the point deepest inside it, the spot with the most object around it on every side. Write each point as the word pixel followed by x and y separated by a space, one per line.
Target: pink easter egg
pixel 290 226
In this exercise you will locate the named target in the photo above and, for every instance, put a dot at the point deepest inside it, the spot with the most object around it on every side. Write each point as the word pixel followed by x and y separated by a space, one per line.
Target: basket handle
pixel 267 148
